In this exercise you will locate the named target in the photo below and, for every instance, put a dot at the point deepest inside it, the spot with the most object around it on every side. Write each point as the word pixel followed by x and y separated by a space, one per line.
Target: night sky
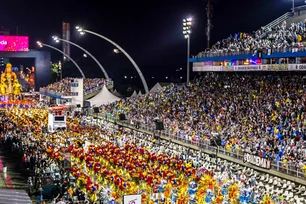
pixel 150 31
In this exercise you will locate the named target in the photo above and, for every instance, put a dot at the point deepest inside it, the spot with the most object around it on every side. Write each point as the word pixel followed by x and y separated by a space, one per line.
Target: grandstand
pixel 282 38
pixel 72 91
pixel 244 105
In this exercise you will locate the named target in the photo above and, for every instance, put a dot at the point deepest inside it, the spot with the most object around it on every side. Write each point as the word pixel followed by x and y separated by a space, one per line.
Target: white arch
pixel 101 67
pixel 54 48
pixel 125 53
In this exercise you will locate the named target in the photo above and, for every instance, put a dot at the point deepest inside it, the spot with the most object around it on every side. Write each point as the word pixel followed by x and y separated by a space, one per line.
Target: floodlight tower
pixel 187 23
pixel 209 25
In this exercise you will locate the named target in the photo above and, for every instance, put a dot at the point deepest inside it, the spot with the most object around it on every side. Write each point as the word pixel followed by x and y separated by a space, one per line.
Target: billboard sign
pixel 14 43
pixel 132 199
pixel 256 160
pixel 201 67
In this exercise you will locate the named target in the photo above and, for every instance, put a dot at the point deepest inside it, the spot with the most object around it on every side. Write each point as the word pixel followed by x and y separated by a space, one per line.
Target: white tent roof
pixel 103 97
pixel 134 95
pixel 139 94
pixel 116 93
pixel 156 88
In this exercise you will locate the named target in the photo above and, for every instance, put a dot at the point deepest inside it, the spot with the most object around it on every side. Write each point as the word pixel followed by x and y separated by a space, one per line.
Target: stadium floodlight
pixel 40 44
pixel 82 31
pixel 57 39
pixel 187 23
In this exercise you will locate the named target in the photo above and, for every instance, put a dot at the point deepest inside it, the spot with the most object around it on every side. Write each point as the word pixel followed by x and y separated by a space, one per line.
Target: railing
pixel 286 168
pixel 87 92
pixel 275 23
pixel 248 52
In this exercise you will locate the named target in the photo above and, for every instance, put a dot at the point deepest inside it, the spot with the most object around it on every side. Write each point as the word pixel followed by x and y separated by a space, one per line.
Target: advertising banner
pixel 132 199
pixel 14 43
pixel 200 67
pixel 257 161
pixel 297 67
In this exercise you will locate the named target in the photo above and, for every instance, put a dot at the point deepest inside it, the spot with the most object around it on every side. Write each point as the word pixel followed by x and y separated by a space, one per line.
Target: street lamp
pixel 60 69
pixel 82 31
pixel 187 23
pixel 57 39
pixel 116 51
pixel 40 44
pixel 292 6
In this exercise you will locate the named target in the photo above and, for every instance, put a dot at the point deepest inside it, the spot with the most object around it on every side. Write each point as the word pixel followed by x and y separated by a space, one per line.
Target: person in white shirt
pixel 61 201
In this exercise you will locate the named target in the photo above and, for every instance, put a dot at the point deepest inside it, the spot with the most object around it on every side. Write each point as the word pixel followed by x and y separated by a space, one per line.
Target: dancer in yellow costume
pixel 17 89
pixel 8 80
pixel 3 87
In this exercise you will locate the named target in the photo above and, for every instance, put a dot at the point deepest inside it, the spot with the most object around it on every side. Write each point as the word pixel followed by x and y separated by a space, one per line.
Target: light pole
pixel 40 44
pixel 292 6
pixel 83 31
pixel 57 39
pixel 60 69
pixel 187 23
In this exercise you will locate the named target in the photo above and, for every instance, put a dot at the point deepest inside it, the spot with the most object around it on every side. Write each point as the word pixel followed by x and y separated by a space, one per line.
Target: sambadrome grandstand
pixel 235 134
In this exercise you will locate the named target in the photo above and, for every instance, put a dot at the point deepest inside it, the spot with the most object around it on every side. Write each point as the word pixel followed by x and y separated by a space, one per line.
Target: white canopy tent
pixel 116 93
pixel 139 94
pixel 134 95
pixel 103 97
pixel 156 88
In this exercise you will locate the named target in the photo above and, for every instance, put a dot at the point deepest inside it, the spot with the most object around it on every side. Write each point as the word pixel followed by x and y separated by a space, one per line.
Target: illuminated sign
pixel 14 43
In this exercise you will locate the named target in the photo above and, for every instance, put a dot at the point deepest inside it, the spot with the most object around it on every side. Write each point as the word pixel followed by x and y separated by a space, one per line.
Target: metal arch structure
pixel 145 85
pixel 88 53
pixel 77 66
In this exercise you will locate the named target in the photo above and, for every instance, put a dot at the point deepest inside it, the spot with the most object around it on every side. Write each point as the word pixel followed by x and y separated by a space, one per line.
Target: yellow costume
pixel 8 81
pixel 3 87
pixel 17 88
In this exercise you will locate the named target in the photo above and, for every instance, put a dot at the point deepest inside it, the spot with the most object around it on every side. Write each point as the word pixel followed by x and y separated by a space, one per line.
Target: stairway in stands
pixel 289 18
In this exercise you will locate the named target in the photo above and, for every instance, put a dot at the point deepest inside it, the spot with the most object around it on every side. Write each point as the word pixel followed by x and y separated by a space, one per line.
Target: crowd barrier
pixel 286 168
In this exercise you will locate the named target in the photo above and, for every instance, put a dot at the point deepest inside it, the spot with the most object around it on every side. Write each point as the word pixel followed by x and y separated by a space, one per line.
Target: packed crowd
pixel 259 113
pixel 280 37
pixel 109 162
pixel 63 87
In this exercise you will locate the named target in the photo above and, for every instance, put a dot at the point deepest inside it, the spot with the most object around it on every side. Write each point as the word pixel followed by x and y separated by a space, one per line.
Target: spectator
pixel 259 113
pixel 63 87
pixel 280 38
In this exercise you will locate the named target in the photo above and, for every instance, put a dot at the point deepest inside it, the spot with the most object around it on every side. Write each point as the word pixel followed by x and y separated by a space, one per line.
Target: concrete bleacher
pixel 297 18
pixel 91 95
pixel 278 174
pixel 289 18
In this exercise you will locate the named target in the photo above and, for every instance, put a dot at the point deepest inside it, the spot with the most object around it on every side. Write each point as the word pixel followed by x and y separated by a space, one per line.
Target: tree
pixel 55 71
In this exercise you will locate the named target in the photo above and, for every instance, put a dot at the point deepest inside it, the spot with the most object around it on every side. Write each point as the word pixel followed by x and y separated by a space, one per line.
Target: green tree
pixel 55 72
